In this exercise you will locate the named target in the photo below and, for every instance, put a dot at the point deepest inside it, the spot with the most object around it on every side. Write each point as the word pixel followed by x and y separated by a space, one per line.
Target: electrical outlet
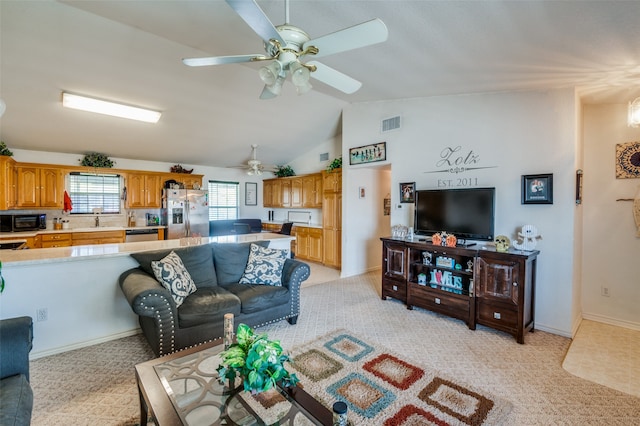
pixel 604 291
pixel 42 314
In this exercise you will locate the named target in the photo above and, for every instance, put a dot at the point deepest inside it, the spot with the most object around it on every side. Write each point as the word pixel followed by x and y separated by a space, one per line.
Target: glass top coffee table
pixel 183 388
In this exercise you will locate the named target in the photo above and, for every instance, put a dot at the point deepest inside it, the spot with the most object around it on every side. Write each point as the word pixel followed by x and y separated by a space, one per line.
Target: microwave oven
pixel 22 222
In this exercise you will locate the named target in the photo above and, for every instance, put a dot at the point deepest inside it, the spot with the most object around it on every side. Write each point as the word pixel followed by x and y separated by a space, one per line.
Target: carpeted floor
pixel 96 385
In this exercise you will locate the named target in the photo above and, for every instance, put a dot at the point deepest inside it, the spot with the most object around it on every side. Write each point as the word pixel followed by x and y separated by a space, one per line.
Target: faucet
pixel 97 221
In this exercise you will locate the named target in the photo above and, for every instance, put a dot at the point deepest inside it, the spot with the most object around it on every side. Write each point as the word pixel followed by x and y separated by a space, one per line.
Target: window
pixel 223 200
pixel 90 191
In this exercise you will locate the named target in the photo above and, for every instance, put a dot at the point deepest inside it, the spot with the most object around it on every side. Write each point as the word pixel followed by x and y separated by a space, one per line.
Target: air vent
pixel 390 124
pixel 324 156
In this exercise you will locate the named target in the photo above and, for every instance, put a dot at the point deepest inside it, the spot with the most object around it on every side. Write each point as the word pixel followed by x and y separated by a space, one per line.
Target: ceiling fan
pixel 255 166
pixel 287 46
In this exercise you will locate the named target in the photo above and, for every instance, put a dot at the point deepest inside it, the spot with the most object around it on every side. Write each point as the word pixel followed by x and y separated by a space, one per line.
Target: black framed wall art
pixel 537 189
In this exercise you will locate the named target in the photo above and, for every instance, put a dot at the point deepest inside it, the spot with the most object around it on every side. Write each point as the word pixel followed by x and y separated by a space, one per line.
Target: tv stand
pixel 464 243
pixel 476 285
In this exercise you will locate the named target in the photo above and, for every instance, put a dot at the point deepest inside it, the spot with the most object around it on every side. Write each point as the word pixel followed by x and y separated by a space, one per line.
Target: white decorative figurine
pixel 527 238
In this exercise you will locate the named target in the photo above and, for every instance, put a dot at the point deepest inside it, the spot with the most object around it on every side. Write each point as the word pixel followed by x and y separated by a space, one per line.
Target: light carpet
pixel 384 388
pixel 96 385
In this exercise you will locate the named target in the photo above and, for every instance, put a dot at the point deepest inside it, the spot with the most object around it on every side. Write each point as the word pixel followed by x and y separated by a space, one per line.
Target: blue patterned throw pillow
pixel 264 266
pixel 173 276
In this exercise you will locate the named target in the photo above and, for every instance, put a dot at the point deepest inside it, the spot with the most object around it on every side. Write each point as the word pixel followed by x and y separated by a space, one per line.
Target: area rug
pixel 381 388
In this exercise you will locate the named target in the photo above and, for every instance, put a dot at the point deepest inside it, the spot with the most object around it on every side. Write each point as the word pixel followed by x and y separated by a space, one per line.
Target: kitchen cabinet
pixel 39 187
pixel 7 182
pixel 332 218
pixel 271 227
pixel 97 237
pixel 312 191
pixel 62 239
pixel 144 190
pixel 296 192
pixel 189 181
pixel 308 243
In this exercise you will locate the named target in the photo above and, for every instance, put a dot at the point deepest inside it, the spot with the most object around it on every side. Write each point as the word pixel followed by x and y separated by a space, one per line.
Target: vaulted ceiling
pixel 131 51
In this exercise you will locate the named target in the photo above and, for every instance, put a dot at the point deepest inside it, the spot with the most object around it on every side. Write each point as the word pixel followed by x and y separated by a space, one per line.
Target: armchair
pixel 16 395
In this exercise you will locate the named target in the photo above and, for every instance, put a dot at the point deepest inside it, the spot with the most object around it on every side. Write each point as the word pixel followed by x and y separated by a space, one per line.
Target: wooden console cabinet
pixel 475 285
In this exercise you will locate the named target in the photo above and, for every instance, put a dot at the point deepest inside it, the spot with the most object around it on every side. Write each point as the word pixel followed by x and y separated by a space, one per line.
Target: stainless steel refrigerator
pixel 185 212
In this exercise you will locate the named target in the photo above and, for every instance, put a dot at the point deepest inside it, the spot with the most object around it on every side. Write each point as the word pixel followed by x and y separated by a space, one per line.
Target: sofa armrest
pixel 146 296
pixel 294 272
pixel 16 341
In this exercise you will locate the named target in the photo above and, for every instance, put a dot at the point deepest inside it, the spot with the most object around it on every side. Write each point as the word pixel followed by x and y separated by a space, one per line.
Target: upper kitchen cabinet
pixel 189 181
pixel 312 191
pixel 332 181
pixel 144 190
pixel 304 191
pixel 39 187
pixel 7 182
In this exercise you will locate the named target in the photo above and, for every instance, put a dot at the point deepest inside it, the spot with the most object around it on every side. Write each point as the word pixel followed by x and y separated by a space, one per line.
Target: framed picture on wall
pixel 407 191
pixel 368 153
pixel 250 194
pixel 537 189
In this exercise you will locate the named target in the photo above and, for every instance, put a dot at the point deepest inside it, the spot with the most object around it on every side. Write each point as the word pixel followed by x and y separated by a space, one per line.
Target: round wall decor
pixel 628 160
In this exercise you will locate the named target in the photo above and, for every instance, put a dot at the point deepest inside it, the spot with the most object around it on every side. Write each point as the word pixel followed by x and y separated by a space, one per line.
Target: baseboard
pixel 612 321
pixel 553 330
pixel 80 345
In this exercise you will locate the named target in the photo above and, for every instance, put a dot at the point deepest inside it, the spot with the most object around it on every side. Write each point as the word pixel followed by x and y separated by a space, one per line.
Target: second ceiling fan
pixel 287 46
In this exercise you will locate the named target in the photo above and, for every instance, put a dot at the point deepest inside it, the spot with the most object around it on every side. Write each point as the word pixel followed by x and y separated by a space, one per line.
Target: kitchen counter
pixel 27 234
pixel 306 225
pixel 65 254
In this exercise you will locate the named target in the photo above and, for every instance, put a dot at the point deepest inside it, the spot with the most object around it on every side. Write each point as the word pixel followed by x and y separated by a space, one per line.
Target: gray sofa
pixel 16 395
pixel 216 269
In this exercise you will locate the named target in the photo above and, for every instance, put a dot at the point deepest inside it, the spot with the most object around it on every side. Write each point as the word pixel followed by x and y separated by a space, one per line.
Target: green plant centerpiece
pixel 95 159
pixel 284 171
pixel 257 360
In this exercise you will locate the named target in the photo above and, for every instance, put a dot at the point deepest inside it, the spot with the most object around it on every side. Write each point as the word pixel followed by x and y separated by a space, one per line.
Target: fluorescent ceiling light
pixel 109 108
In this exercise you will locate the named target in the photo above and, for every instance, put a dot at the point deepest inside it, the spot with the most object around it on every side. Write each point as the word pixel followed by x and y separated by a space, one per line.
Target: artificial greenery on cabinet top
pixel 95 159
pixel 4 150
pixel 284 171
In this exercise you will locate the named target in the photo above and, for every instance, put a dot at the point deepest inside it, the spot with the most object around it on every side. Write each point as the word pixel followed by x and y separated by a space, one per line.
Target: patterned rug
pixel 380 387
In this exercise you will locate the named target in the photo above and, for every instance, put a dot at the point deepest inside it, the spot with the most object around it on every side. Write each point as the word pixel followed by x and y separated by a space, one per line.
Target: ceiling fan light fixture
pixel 276 87
pixel 269 73
pixel 633 120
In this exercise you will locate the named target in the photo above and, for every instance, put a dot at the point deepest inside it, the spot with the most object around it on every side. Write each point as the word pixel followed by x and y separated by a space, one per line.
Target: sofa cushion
pixel 16 400
pixel 257 297
pixel 197 259
pixel 173 276
pixel 264 266
pixel 231 259
pixel 207 305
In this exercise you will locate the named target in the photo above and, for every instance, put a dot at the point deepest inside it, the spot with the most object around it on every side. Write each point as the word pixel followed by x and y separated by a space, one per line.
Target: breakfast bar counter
pixel 72 293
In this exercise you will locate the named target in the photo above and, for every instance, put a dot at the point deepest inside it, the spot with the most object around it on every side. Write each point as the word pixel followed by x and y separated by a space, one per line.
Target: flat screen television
pixel 466 213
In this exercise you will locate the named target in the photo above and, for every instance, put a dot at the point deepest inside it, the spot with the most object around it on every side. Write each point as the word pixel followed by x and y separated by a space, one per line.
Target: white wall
pixel 511 134
pixel 611 247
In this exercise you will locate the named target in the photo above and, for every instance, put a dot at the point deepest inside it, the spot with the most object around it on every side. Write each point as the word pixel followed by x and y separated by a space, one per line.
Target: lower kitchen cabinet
pixel 477 286
pixel 97 237
pixel 309 243
pixel 61 239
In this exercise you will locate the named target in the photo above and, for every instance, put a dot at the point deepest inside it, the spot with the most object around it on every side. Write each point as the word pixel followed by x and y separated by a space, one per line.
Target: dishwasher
pixel 133 235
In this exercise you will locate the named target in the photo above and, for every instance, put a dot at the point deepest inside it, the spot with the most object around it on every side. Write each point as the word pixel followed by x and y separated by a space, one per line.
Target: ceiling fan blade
pixel 361 35
pixel 221 60
pixel 334 78
pixel 251 13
